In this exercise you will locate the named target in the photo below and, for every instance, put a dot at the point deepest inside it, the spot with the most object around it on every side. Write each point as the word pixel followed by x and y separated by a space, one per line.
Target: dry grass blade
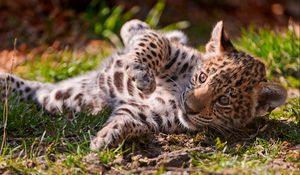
pixel 5 117
pixel 5 108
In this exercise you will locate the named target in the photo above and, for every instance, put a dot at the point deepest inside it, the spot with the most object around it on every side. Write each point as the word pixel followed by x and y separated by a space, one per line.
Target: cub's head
pixel 229 88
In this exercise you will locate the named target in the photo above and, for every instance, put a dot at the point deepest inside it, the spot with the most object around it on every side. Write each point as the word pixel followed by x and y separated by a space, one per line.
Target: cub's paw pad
pixel 143 78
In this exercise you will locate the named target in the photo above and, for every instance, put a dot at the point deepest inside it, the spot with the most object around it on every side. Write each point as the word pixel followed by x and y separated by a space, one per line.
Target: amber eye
pixel 202 77
pixel 223 100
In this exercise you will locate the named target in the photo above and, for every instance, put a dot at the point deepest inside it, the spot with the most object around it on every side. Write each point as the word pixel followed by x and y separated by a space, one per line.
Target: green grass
pixel 38 143
pixel 280 51
pixel 53 66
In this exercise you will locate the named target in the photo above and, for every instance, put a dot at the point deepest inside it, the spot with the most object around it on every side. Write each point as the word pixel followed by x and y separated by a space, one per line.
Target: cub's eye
pixel 202 77
pixel 223 100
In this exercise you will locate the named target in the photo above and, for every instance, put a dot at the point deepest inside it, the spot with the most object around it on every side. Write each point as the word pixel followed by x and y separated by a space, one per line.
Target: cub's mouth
pixel 189 110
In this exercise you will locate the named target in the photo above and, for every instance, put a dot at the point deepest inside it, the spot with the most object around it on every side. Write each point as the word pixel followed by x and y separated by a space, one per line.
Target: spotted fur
pixel 158 84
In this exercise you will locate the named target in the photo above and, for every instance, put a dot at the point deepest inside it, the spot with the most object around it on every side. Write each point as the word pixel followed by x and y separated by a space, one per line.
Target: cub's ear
pixel 219 41
pixel 269 96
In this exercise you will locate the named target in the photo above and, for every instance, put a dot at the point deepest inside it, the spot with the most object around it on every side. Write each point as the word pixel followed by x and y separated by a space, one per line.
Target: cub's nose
pixel 198 100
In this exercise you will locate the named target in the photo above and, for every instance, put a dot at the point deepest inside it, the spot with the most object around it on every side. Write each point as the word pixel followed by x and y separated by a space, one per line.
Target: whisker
pixel 218 129
pixel 202 121
pixel 181 89
pixel 177 85
pixel 226 130
pixel 181 101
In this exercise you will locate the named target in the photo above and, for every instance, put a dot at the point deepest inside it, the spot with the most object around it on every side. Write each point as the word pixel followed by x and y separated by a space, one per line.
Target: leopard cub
pixel 157 83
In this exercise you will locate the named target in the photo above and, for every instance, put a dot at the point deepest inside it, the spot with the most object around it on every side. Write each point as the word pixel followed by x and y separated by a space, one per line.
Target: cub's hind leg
pixel 134 27
pixel 146 50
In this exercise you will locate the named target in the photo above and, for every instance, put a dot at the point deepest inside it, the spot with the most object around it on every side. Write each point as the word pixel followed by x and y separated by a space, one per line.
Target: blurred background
pixel 28 29
pixel 37 22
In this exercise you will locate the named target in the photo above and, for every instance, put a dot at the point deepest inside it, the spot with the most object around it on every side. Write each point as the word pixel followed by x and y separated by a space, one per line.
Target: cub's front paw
pixel 98 143
pixel 143 78
pixel 130 28
pixel 105 138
